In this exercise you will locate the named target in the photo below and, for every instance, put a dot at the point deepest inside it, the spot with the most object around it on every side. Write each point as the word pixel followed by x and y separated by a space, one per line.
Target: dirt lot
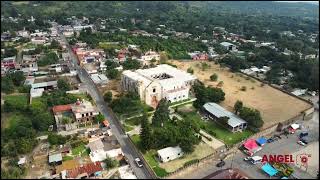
pixel 274 105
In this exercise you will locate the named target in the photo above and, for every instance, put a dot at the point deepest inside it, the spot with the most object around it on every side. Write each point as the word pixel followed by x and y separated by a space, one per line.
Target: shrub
pixel 252 80
pixel 190 70
pixel 220 84
pixel 110 163
pixel 243 88
pixel 214 77
pixel 262 84
pixel 193 161
pixel 247 78
pixel 252 88
pixel 239 80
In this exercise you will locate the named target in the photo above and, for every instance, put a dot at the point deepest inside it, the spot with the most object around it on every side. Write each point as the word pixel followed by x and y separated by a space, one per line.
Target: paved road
pixel 127 147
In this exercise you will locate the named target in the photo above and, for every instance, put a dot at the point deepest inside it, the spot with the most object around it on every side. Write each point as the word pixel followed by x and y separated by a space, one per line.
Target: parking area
pixel 285 145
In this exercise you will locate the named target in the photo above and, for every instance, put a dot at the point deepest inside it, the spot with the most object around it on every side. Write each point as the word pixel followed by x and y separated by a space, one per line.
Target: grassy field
pixel 20 100
pixel 274 105
pixel 81 149
pixel 201 150
pixel 12 119
pixel 133 121
pixel 127 128
pixel 66 158
pixel 217 130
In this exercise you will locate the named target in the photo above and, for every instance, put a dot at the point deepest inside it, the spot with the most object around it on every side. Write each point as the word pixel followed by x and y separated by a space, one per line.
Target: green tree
pixel 214 77
pixel 206 94
pixel 145 133
pixel 7 85
pixel 110 163
pixel 107 97
pixel 99 118
pixel 48 59
pixel 63 85
pixel 113 73
pixel 131 64
pixel 17 77
pixel 190 70
pixel 224 120
pixel 237 106
pixel 161 115
pixel 54 45
pixel 55 139
pixel 252 116
pixel 111 64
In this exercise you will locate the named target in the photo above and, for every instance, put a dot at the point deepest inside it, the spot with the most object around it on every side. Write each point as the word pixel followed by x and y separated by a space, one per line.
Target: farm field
pixel 274 105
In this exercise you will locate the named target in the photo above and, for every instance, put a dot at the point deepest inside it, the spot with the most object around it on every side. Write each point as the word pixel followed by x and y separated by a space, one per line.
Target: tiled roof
pixel 61 108
pixel 88 168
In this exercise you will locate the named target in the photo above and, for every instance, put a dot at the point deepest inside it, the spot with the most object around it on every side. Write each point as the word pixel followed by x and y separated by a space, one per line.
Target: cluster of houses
pixel 254 71
pixel 101 144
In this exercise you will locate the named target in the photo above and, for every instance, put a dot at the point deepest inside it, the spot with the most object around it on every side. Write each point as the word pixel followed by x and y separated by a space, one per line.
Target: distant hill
pixel 128 8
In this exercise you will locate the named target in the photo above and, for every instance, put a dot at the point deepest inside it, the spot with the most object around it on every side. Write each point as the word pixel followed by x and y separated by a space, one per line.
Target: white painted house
pixel 169 153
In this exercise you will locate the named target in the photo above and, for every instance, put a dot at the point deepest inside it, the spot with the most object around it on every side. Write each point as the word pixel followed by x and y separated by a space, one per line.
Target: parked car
pixel 256 159
pixel 270 140
pixel 303 134
pixel 221 163
pixel 278 136
pixel 247 158
pixel 301 143
pixel 139 162
pixel 304 140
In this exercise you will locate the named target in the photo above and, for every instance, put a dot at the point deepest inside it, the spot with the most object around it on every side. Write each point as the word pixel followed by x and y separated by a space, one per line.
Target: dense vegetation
pixel 252 116
pixel 50 58
pixel 206 94
pixel 19 137
pixel 165 132
pixel 13 81
pixel 128 103
pixel 175 48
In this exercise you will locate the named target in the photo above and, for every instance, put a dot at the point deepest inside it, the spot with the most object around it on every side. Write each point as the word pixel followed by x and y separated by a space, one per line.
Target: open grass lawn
pixel 217 130
pixel 20 100
pixel 133 121
pixel 127 128
pixel 201 150
pixel 12 119
pixel 66 158
pixel 80 150
pixel 150 157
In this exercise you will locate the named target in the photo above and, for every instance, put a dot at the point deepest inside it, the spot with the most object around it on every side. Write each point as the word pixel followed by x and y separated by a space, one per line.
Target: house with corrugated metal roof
pixel 216 112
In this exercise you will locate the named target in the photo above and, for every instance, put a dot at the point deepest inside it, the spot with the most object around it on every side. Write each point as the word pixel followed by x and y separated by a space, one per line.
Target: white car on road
pixel 301 143
pixel 139 162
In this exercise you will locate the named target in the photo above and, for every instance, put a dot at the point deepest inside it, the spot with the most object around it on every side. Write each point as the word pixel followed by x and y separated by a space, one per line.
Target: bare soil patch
pixel 274 105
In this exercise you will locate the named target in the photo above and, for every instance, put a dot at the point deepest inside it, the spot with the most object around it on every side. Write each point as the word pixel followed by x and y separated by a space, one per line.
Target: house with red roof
pixel 85 171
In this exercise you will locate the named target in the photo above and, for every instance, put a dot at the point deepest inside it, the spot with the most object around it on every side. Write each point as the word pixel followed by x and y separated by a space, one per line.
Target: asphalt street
pixel 127 147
